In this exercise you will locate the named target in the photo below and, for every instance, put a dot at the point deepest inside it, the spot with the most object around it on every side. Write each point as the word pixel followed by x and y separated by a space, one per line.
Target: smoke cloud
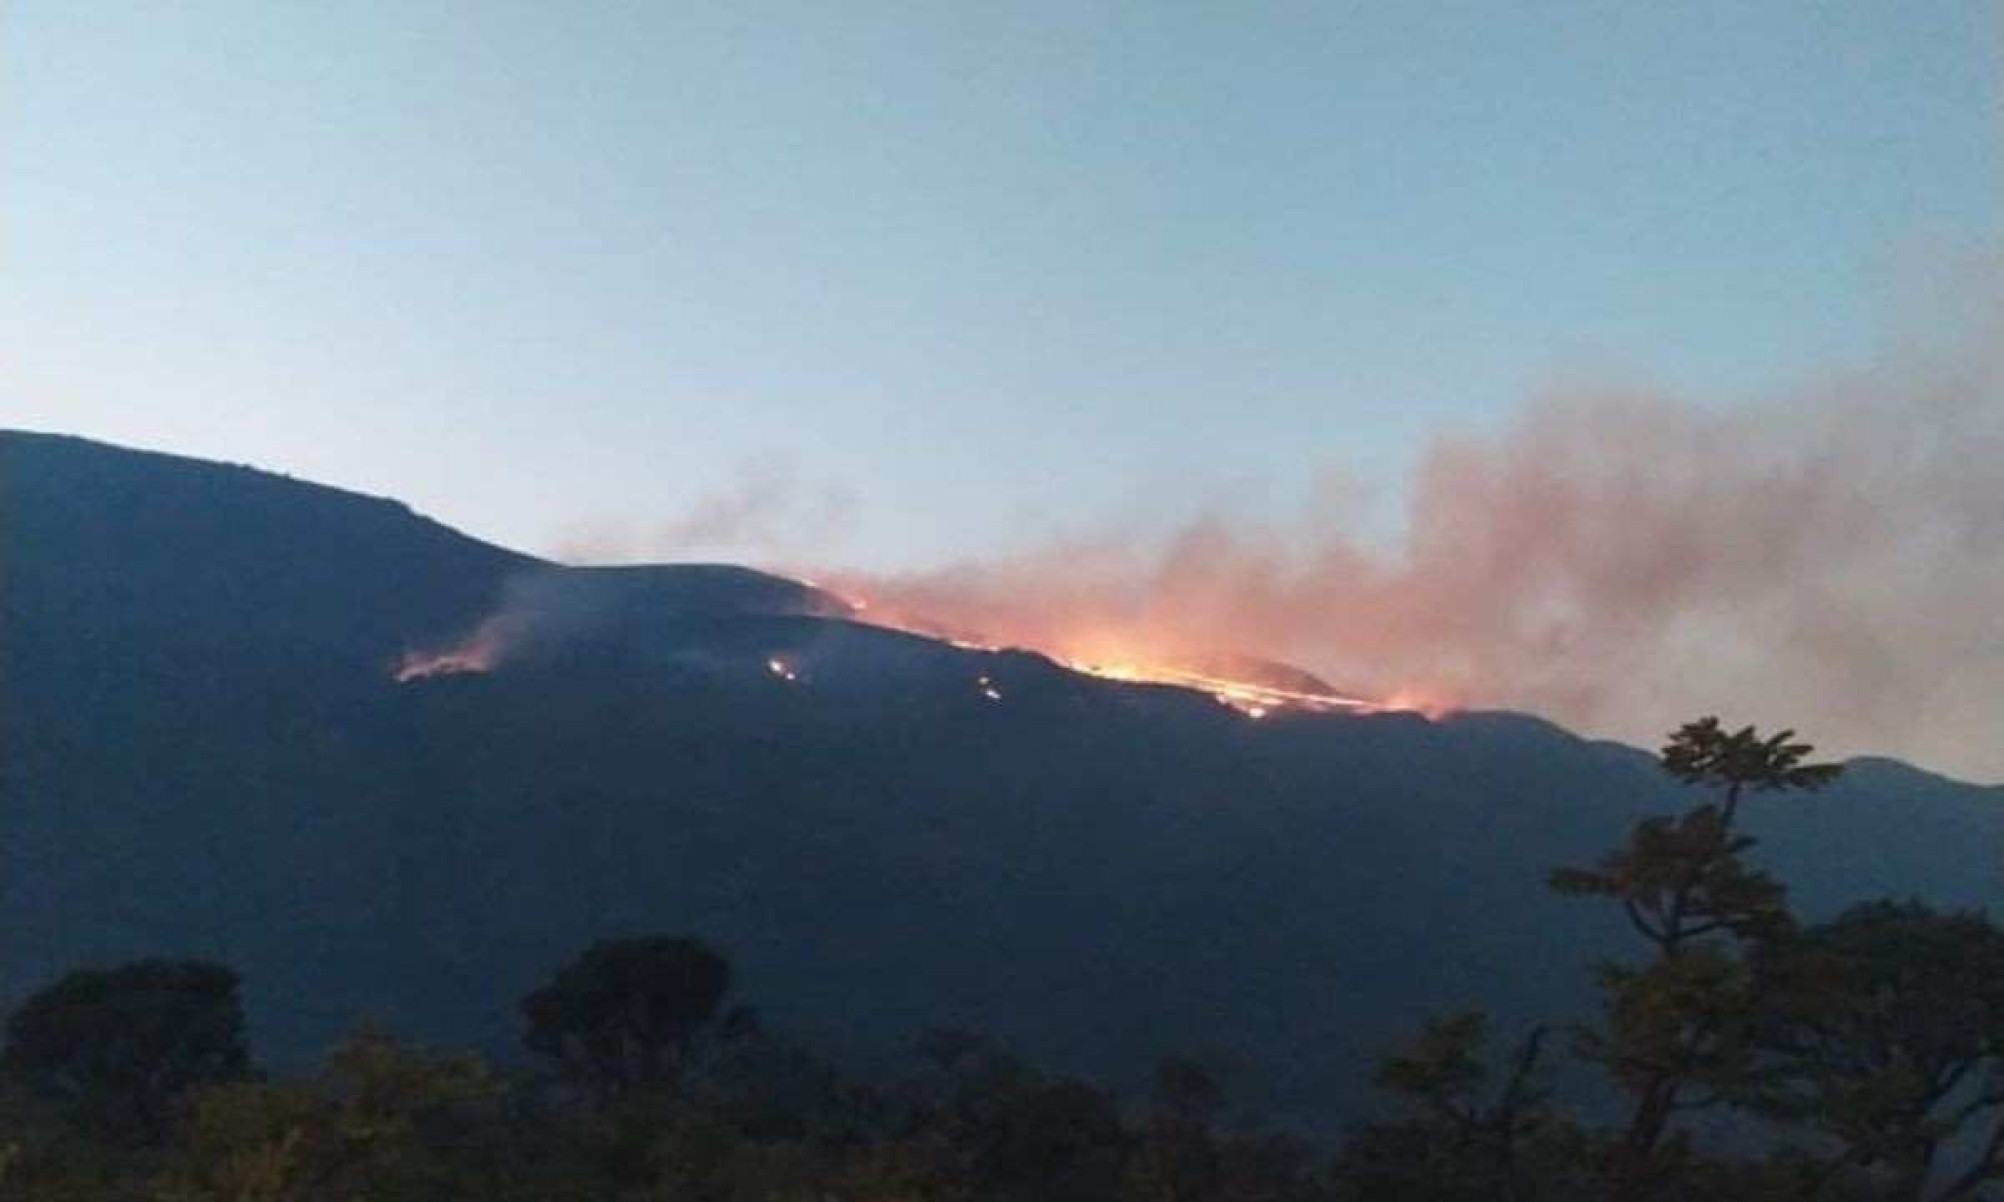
pixel 1619 561
pixel 764 508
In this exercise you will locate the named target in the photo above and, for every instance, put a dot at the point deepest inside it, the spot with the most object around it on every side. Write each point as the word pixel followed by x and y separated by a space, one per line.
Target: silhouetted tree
pixel 1269 1166
pixel 1460 1142
pixel 1177 1160
pixel 771 1087
pixel 377 1122
pixel 1183 1154
pixel 627 1013
pixel 701 1158
pixel 117 1047
pixel 1679 1029
pixel 1893 1046
pixel 981 1122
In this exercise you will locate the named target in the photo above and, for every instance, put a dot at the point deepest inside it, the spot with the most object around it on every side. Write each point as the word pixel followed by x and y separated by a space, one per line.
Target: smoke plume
pixel 765 509
pixel 1616 560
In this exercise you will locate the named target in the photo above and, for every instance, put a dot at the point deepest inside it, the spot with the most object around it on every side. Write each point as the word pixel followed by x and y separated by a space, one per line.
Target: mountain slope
pixel 206 753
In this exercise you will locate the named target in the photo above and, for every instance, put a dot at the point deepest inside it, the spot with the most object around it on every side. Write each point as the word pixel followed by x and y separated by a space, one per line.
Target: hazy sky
pixel 940 277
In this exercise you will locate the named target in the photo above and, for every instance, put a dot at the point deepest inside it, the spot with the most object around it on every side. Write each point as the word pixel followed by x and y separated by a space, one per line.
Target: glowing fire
pixel 480 651
pixel 1120 660
pixel 1249 698
pixel 1256 693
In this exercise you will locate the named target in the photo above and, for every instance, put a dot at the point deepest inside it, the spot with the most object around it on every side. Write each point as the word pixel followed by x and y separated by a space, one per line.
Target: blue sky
pixel 982 271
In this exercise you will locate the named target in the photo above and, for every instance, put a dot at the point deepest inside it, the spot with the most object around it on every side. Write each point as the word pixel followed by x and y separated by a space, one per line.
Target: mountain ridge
pixel 201 710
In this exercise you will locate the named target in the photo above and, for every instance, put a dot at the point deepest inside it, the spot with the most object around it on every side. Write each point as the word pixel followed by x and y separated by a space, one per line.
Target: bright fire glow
pixel 479 652
pixel 1120 659
pixel 1109 659
pixel 1249 698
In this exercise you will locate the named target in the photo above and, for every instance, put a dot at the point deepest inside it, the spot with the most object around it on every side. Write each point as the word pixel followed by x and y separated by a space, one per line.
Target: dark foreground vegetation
pixel 1738 1055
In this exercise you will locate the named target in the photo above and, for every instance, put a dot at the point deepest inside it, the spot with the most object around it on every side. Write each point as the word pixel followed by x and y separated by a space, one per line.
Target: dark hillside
pixel 206 754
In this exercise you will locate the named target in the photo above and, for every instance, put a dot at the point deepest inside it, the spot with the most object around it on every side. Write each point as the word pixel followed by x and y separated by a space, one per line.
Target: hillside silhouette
pixel 206 753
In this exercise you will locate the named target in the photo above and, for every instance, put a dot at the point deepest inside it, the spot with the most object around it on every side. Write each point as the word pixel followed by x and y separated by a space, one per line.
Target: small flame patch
pixel 479 652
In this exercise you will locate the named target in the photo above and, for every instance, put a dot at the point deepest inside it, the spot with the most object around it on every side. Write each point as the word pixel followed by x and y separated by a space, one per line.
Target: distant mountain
pixel 206 751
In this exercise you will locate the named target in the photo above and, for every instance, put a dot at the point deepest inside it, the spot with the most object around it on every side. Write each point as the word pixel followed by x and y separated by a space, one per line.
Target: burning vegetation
pixel 1252 687
pixel 1249 697
pixel 480 651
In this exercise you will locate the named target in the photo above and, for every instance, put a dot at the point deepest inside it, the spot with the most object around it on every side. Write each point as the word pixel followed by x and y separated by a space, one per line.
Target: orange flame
pixel 1121 659
pixel 1250 698
pixel 480 651
pixel 1116 658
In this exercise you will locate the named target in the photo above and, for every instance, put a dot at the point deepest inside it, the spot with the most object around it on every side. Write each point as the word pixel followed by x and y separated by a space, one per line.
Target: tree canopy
pixel 627 1012
pixel 118 1046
